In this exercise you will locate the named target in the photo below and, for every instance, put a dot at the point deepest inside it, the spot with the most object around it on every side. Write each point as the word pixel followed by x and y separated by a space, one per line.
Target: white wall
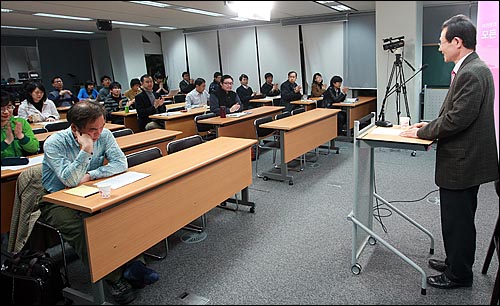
pixel 101 60
pixel 174 57
pixel 405 20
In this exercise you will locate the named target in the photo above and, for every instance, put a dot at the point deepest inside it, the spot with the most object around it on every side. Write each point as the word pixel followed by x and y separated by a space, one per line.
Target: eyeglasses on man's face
pixel 7 108
pixel 227 83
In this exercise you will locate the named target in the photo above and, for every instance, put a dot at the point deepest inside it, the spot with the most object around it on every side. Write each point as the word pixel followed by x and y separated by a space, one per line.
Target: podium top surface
pixel 391 135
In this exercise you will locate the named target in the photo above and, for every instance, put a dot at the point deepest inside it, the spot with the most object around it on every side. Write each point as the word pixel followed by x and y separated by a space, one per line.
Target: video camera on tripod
pixel 393 43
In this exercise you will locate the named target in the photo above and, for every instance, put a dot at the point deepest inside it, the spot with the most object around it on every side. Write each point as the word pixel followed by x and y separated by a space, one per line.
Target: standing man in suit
pixel 147 103
pixel 290 91
pixel 466 154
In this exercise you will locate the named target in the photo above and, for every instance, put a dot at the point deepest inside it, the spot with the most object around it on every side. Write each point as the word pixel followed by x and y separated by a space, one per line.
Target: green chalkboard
pixel 438 74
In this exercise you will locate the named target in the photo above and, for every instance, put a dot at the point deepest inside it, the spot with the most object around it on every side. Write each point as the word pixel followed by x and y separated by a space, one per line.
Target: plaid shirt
pixel 64 164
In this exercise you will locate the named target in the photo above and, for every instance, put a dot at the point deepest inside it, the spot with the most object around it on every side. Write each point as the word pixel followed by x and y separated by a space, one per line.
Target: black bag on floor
pixel 31 278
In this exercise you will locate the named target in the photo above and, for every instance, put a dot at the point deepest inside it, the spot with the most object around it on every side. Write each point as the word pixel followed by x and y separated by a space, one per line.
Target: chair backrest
pixel 204 127
pixel 183 143
pixel 143 156
pixel 122 132
pixel 282 115
pixel 57 126
pixel 179 98
pixel 262 132
pixel 39 130
pixel 298 111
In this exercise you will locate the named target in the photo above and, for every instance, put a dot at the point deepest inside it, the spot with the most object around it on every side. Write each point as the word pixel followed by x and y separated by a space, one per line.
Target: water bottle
pixel 126 109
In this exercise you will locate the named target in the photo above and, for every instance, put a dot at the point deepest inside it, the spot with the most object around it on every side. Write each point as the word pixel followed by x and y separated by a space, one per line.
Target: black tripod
pixel 398 73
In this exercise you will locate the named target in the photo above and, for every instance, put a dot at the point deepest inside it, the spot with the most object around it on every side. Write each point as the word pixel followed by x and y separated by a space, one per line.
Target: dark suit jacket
pixel 145 109
pixel 466 150
pixel 331 96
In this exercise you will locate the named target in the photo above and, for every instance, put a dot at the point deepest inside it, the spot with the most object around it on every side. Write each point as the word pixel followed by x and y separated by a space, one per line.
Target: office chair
pixel 57 126
pixel 298 111
pixel 179 98
pixel 282 115
pixel 261 134
pixel 205 130
pixel 41 236
pixel 140 157
pixel 122 132
pixel 179 145
pixel 39 130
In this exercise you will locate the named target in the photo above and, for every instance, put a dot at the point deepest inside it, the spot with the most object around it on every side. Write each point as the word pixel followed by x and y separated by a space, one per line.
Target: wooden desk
pixel 183 122
pixel 196 180
pixel 302 133
pixel 241 127
pixel 308 104
pixel 63 111
pixel 128 144
pixel 357 110
pixel 147 139
pixel 130 118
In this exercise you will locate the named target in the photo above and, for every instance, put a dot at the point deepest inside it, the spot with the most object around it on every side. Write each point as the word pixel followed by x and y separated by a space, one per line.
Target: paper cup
pixel 405 122
pixel 105 191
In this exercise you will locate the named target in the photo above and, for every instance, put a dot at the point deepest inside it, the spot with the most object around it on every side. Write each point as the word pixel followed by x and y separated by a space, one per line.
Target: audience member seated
pixel 317 86
pixel 335 94
pixel 17 136
pixel 88 91
pixel 268 88
pixel 104 92
pixel 61 96
pixel 187 84
pixel 290 91
pixel 198 96
pixel 215 83
pixel 135 89
pixel 73 157
pixel 224 96
pixel 160 87
pixel 36 107
pixel 147 103
pixel 114 102
pixel 245 92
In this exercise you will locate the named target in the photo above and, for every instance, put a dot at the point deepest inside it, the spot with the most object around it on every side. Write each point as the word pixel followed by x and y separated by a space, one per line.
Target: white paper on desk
pixel 351 100
pixel 123 179
pixel 237 115
pixel 386 131
pixel 33 161
pixel 50 122
pixel 132 111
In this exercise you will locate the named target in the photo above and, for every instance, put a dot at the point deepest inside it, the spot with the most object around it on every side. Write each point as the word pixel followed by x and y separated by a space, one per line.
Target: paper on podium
pixel 387 131
pixel 82 191
pixel 123 179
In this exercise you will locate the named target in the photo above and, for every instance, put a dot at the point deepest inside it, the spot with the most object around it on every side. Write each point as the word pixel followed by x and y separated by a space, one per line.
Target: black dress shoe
pixel 441 281
pixel 438 265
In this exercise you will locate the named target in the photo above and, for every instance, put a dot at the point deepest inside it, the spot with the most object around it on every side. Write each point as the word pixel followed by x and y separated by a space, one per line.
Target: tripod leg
pixel 406 97
pixel 381 116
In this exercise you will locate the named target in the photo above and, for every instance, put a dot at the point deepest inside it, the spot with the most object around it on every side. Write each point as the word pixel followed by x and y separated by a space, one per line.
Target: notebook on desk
pixel 237 115
pixel 351 100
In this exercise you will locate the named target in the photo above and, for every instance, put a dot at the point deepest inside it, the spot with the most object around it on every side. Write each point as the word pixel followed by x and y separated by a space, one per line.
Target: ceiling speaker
pixel 104 25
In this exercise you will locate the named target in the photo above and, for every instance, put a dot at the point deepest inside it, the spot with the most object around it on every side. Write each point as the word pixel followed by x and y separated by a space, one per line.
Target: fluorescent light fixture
pixel 341 8
pixel 239 19
pixel 131 24
pixel 152 3
pixel 168 28
pixel 192 10
pixel 61 16
pixel 71 31
pixel 18 28
pixel 6 10
pixel 258 10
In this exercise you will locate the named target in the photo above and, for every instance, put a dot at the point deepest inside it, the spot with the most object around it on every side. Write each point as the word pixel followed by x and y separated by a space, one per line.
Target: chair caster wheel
pixel 356 269
pixel 252 210
pixel 265 178
pixel 290 183
pixel 414 153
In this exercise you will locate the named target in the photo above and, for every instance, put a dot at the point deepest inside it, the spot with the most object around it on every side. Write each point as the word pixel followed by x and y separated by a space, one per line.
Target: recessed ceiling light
pixel 191 10
pixel 71 31
pixel 18 28
pixel 239 19
pixel 6 10
pixel 131 23
pixel 152 3
pixel 61 16
pixel 341 8
pixel 168 28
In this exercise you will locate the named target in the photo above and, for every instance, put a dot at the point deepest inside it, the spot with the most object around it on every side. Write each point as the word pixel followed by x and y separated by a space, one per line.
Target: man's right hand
pixel 158 102
pixel 85 141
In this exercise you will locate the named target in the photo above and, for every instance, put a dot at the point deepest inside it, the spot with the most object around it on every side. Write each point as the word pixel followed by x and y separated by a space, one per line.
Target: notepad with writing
pixel 123 179
pixel 83 191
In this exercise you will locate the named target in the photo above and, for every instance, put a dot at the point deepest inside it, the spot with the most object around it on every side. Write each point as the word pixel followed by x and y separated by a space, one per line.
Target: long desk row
pixel 209 166
pixel 128 144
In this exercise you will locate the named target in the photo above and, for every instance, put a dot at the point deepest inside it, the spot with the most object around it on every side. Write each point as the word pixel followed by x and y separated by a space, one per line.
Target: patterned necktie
pixel 452 76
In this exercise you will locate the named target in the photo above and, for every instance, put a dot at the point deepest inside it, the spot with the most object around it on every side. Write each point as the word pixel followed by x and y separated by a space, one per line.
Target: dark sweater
pixel 145 108
pixel 288 95
pixel 220 98
pixel 267 89
pixel 186 87
pixel 245 95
